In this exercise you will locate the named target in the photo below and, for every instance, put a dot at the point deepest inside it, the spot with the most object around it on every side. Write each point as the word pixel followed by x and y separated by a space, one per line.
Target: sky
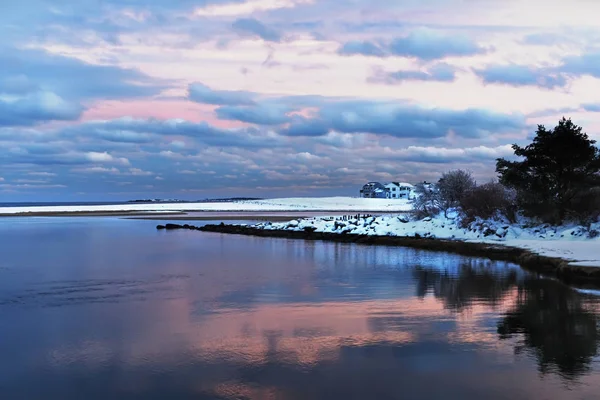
pixel 193 99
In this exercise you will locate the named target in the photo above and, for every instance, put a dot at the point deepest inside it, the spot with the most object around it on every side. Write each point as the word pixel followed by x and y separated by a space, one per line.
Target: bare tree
pixel 452 187
pixel 426 202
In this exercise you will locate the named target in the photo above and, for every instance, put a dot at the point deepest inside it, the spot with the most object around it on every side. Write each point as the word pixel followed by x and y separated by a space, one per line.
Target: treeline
pixel 554 179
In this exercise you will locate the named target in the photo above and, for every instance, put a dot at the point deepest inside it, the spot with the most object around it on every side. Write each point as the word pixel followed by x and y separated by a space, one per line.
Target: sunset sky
pixel 189 99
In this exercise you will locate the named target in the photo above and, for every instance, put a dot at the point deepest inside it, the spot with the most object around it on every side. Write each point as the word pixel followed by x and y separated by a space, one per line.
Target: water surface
pixel 107 308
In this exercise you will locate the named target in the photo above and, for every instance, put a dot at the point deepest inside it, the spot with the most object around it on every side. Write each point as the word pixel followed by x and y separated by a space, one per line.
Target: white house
pixel 399 190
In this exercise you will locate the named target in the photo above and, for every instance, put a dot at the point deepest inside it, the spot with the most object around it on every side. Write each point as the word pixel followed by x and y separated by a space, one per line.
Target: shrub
pixel 586 206
pixel 488 200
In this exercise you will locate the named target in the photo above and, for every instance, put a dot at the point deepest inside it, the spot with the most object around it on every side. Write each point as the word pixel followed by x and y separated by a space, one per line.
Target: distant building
pixel 392 190
pixel 373 190
pixel 399 190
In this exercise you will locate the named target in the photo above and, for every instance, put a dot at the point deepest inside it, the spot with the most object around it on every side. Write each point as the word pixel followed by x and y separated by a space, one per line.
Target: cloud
pixel 246 7
pixel 521 75
pixel 42 173
pixel 591 107
pixel 398 119
pixel 440 72
pixel 139 172
pixel 428 44
pixel 262 114
pixel 421 43
pixel 364 48
pixel 36 86
pixel 403 120
pixel 200 93
pixel 584 64
pixel 25 71
pixel 104 157
pixel 253 27
pixel 35 108
pixel 103 170
pixel 544 39
pixel 443 155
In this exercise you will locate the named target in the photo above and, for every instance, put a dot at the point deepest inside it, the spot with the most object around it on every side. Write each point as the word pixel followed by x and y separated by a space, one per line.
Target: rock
pixel 339 225
pixel 488 232
pixel 427 219
pixel 160 227
pixel 403 219
pixel 173 226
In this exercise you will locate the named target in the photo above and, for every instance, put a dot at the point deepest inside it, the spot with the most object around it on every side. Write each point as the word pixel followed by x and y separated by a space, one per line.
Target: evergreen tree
pixel 560 167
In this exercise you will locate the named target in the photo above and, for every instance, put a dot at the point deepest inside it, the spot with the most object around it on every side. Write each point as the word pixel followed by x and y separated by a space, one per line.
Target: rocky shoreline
pixel 550 266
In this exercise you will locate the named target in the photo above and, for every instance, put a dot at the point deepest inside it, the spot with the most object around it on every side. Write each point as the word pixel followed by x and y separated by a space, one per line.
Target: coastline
pixel 195 215
pixel 527 259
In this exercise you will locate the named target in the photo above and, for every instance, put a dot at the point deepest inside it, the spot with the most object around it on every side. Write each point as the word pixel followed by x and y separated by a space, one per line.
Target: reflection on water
pixel 108 308
pixel 555 325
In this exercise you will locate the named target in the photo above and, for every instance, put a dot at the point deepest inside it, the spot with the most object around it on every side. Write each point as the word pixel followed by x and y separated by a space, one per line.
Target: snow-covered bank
pixel 350 204
pixel 573 243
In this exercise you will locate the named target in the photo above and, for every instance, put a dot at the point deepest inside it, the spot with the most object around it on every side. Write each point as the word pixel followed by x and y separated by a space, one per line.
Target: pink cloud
pixel 159 109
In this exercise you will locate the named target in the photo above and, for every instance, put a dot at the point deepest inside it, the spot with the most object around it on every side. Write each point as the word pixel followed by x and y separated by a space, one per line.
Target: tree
pixel 560 166
pixel 453 186
pixel 426 202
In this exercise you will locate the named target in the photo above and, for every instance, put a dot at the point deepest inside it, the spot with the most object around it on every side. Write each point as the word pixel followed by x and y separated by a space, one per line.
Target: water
pixel 104 308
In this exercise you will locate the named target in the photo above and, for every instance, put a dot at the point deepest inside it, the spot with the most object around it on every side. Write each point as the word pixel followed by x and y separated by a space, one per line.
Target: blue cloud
pixel 364 48
pixel 404 121
pixel 253 27
pixel 584 64
pixel 422 43
pixel 543 39
pixel 426 44
pixel 200 93
pixel 71 78
pixel 591 107
pixel 131 130
pixel 45 87
pixel 521 75
pixel 369 116
pixel 440 72
pixel 263 114
pixel 35 108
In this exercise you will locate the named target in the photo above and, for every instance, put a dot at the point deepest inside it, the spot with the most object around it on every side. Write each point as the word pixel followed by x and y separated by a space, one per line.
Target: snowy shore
pixel 573 243
pixel 337 204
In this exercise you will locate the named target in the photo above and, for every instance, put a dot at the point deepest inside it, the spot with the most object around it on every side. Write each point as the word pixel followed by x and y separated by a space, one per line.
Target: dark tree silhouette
pixel 560 166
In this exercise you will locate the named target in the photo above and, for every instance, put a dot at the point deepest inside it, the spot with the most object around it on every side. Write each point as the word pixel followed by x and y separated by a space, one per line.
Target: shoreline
pixel 527 259
pixel 90 214
pixel 191 215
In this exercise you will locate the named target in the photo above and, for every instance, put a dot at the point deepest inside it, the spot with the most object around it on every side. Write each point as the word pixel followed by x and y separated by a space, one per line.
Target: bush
pixel 488 200
pixel 587 206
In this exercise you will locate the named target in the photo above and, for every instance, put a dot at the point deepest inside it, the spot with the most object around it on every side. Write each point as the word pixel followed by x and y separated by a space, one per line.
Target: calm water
pixel 105 308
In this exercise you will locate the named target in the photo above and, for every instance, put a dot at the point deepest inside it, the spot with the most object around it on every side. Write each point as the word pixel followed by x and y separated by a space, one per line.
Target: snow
pixel 570 242
pixel 351 204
